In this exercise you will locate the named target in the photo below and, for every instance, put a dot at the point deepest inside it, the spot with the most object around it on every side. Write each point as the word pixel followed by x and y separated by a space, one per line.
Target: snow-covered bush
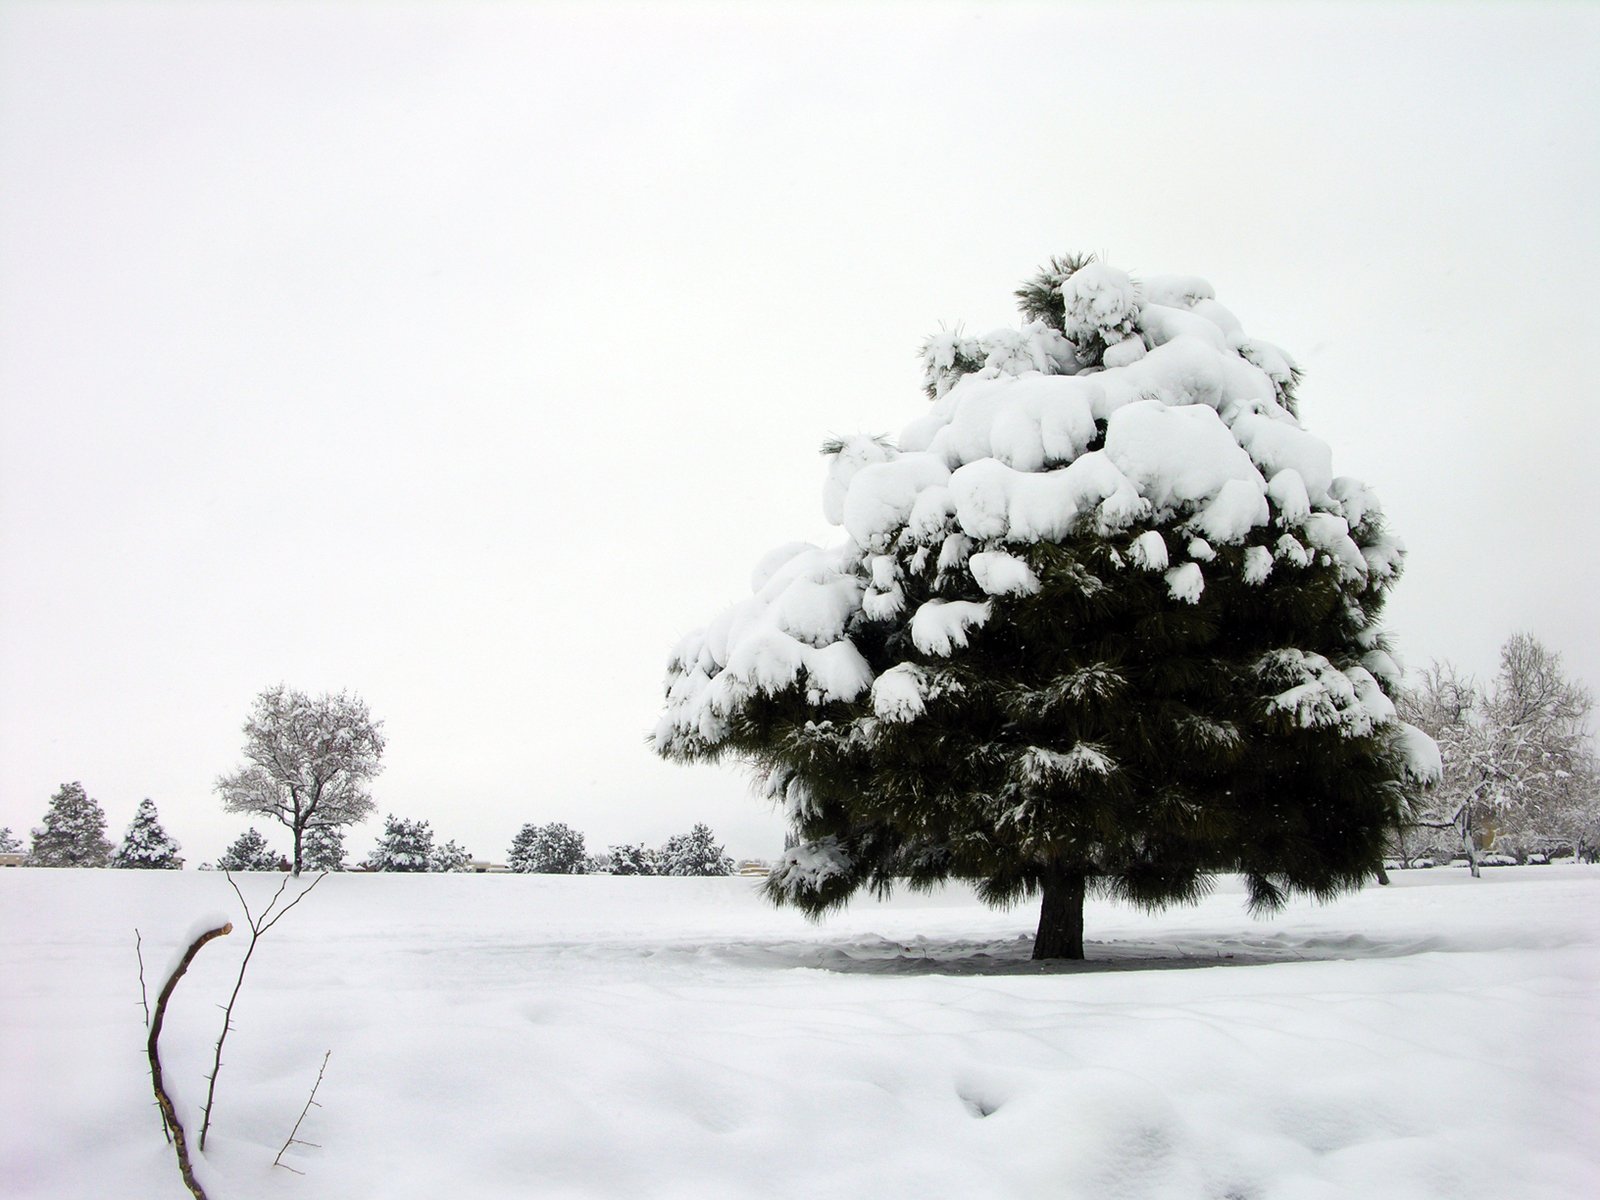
pixel 553 849
pixel 322 848
pixel 628 859
pixel 147 845
pixel 451 858
pixel 1102 616
pixel 693 853
pixel 250 852
pixel 402 846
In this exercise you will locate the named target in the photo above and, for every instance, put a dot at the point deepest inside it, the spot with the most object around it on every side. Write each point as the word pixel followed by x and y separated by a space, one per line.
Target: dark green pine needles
pixel 1104 621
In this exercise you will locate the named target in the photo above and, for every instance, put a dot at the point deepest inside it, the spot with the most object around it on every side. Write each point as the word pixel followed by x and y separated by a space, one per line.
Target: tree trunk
pixel 299 833
pixel 1061 915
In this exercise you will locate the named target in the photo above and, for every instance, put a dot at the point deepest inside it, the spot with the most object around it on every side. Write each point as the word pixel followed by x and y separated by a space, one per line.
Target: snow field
pixel 597 1037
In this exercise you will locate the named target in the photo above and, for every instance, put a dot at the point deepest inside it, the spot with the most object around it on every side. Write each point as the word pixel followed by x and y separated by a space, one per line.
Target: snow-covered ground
pixel 525 1036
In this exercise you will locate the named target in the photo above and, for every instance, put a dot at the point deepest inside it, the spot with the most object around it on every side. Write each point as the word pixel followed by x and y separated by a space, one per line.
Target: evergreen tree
pixel 633 860
pixel 147 845
pixel 249 852
pixel 553 849
pixel 73 833
pixel 308 762
pixel 403 846
pixel 452 857
pixel 9 842
pixel 322 849
pixel 694 853
pixel 1104 619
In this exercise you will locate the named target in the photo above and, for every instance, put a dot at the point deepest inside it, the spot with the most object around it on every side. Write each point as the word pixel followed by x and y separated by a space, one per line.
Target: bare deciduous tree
pixel 309 760
pixel 1517 753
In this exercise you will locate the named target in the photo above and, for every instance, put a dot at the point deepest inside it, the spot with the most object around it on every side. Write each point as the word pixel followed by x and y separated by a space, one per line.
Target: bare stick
pixel 310 1102
pixel 144 999
pixel 185 1167
pixel 258 926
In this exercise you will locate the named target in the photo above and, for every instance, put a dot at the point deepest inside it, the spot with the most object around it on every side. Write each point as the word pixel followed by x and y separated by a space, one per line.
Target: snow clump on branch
pixel 1147 408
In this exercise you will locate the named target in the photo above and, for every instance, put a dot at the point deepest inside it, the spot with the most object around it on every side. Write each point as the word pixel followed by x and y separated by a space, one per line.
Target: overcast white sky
pixel 466 357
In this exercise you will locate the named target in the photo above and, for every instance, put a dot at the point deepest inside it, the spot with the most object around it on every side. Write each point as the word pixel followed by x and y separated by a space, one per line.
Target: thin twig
pixel 144 999
pixel 258 926
pixel 185 1167
pixel 310 1101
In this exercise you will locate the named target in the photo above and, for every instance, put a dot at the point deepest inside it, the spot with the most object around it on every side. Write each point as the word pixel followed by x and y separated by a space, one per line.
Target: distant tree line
pixel 73 834
pixel 1519 778
pixel 556 849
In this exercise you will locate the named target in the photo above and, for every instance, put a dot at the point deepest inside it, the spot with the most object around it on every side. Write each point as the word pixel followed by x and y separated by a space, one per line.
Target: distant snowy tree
pixel 402 846
pixel 323 849
pixel 1517 754
pixel 553 849
pixel 634 860
pixel 308 762
pixel 249 852
pixel 147 845
pixel 1104 618
pixel 694 853
pixel 523 855
pixel 9 842
pixel 452 857
pixel 73 833
pixel 598 863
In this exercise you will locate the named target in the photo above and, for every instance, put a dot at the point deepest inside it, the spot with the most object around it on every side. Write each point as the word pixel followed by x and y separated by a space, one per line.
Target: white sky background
pixel 467 357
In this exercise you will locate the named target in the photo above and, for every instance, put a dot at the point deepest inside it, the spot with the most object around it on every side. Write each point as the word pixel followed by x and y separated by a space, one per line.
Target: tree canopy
pixel 308 760
pixel 1103 618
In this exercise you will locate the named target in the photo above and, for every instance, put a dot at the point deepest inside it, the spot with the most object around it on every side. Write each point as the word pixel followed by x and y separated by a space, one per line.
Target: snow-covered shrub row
pixel 1151 410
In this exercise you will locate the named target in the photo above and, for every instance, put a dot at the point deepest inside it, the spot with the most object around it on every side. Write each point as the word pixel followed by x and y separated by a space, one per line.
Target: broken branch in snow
pixel 168 1112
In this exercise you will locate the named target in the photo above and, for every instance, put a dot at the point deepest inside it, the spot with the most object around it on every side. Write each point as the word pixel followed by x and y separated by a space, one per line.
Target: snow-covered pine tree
pixel 403 846
pixel 523 855
pixel 1104 618
pixel 10 843
pixel 450 858
pixel 553 849
pixel 147 845
pixel 694 853
pixel 73 833
pixel 249 852
pixel 628 859
pixel 322 848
